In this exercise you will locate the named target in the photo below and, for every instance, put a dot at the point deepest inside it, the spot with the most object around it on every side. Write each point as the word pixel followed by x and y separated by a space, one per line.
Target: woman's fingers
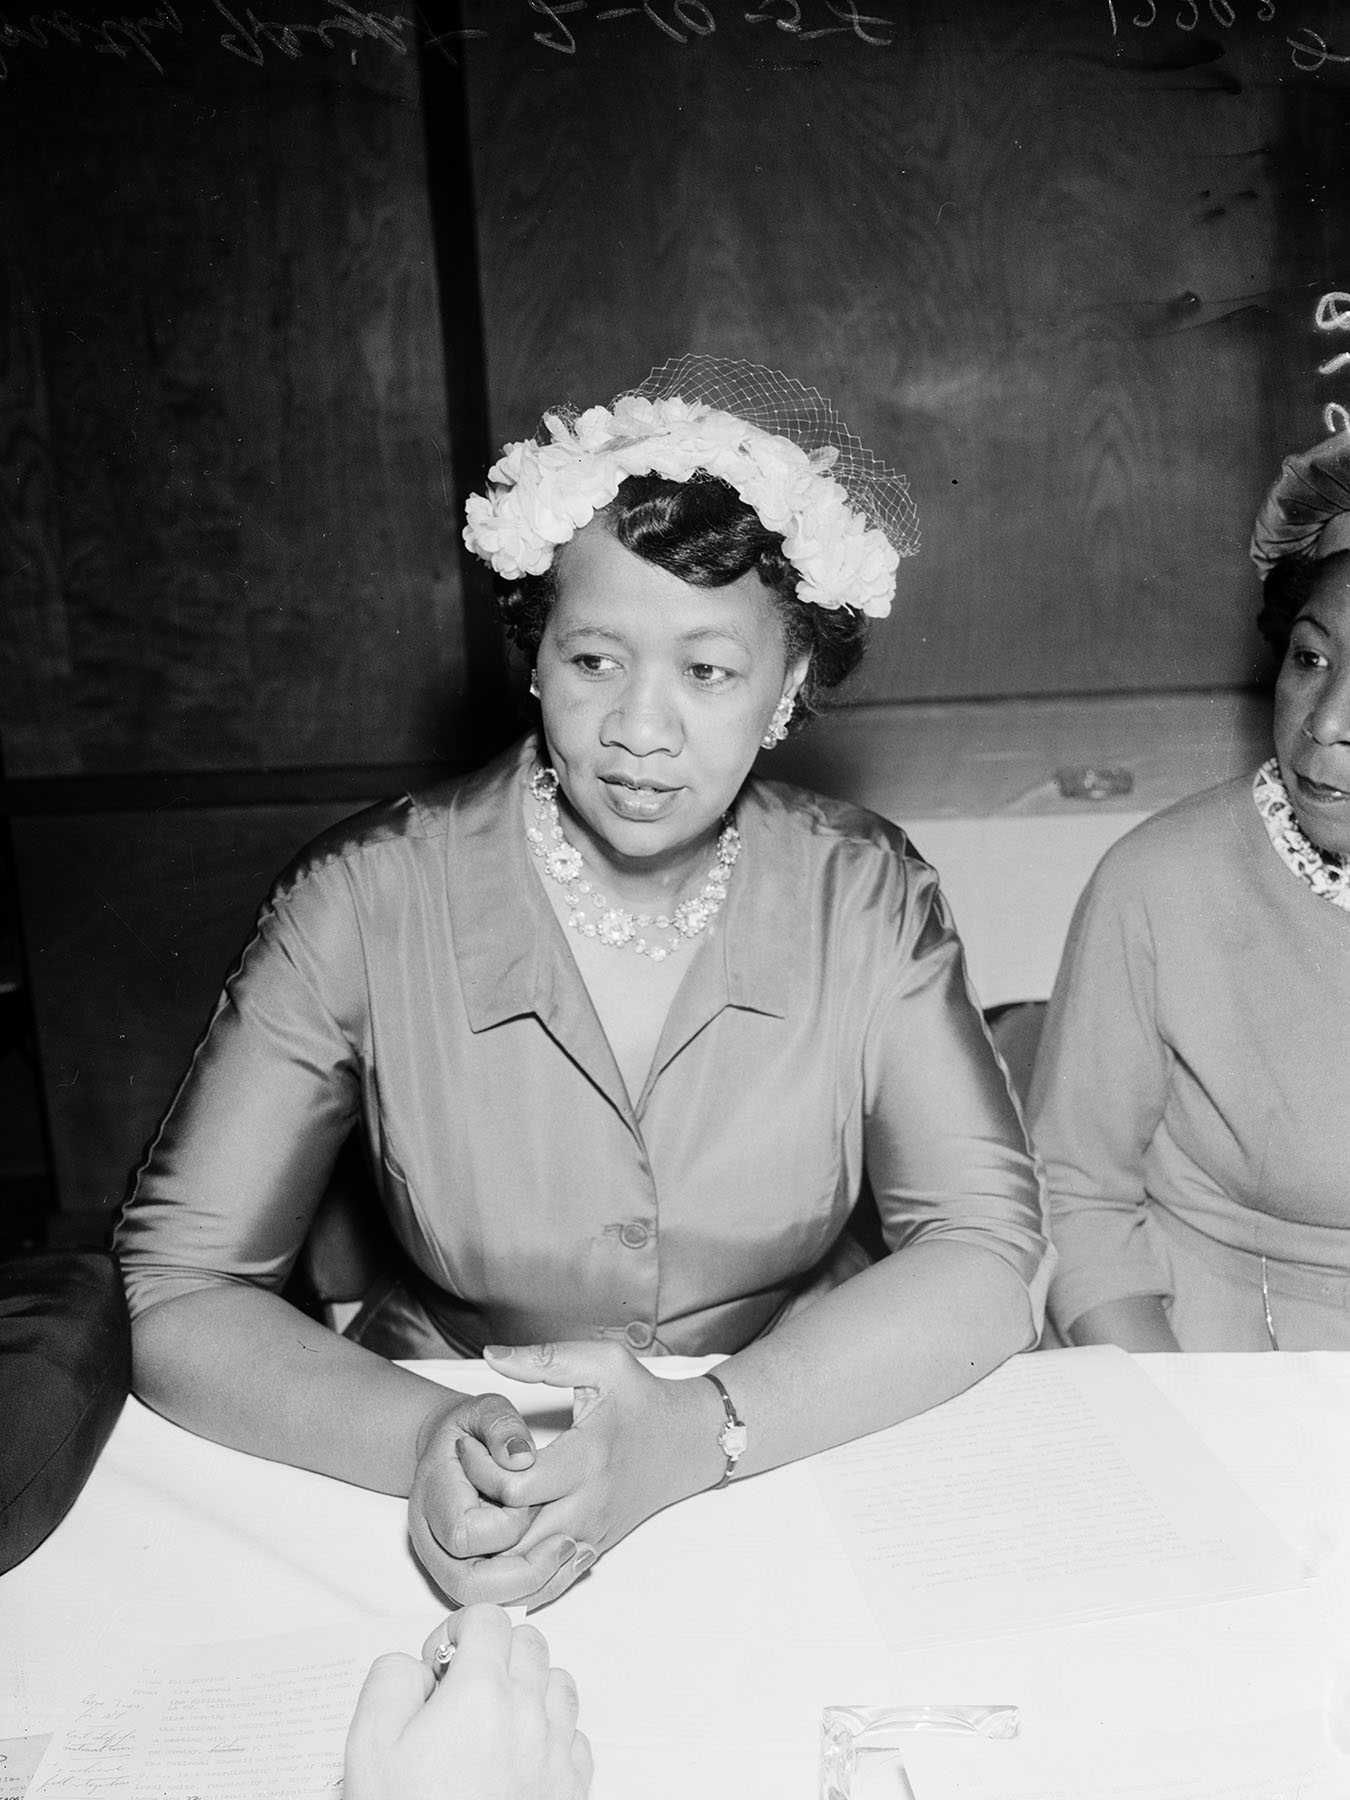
pixel 490 1532
pixel 569 1570
pixel 445 1506
pixel 510 1578
pixel 589 1368
pixel 456 1515
pixel 503 1578
pixel 493 1421
pixel 558 1469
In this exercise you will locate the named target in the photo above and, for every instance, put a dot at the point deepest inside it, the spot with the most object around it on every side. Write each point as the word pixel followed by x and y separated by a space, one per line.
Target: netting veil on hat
pixel 786 407
pixel 844 517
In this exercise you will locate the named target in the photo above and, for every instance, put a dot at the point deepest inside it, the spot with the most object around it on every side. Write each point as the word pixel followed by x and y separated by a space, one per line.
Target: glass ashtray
pixel 862 1748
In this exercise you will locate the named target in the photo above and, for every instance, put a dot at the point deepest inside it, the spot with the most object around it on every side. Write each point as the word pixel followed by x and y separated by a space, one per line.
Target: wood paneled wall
pixel 229 536
pixel 1061 274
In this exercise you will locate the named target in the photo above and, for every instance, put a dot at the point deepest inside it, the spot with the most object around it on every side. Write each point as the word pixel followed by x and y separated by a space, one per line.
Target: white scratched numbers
pixel 1333 314
pixel 1309 51
pixel 248 39
pixel 1223 13
pixel 110 37
pixel 570 24
pixel 564 27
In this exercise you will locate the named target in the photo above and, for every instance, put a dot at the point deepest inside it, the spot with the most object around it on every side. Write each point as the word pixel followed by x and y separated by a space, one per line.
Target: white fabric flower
pixel 541 494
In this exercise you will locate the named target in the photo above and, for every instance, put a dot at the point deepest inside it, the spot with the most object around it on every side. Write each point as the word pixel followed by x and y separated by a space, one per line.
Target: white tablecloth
pixel 706 1644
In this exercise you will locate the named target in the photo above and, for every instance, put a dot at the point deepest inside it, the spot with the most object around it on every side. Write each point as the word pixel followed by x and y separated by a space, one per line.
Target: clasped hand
pixel 496 1518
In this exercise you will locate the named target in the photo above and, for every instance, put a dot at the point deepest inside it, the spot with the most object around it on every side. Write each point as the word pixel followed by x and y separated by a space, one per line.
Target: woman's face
pixel 655 695
pixel 1312 711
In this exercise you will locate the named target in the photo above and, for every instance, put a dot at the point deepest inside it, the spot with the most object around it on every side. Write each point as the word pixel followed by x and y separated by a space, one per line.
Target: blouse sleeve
pixel 236 1171
pixel 1096 1099
pixel 947 1153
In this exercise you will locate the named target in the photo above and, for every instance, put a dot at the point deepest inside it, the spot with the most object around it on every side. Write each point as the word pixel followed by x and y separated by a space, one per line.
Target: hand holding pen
pixel 482 1717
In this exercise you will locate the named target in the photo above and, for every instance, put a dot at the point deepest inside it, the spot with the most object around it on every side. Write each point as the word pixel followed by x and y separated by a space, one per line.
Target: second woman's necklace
pixel 615 925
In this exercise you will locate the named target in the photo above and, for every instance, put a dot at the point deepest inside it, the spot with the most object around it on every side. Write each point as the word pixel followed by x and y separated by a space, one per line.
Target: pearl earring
pixel 534 684
pixel 778 724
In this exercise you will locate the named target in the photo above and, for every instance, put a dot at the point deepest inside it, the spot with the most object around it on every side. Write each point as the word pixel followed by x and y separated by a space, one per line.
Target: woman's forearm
pixel 914 1329
pixel 239 1365
pixel 1136 1323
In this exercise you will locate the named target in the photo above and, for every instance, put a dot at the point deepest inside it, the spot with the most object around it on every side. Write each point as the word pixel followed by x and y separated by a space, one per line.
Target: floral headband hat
pixel 845 519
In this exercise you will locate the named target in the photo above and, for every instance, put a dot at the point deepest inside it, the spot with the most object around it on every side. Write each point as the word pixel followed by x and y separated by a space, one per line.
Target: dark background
pixel 275 283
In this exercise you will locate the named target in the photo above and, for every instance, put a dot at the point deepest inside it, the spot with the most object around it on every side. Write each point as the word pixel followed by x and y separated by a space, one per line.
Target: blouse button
pixel 633 1235
pixel 640 1335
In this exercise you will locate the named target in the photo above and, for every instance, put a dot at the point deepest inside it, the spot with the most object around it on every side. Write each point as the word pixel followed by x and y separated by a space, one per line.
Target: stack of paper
pixel 1062 1488
pixel 264 1719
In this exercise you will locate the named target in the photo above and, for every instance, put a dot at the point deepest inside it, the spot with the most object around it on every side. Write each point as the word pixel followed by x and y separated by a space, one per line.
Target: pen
pixel 443 1655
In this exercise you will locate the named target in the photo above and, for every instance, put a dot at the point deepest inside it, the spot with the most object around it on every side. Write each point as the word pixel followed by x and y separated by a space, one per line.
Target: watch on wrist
pixel 734 1436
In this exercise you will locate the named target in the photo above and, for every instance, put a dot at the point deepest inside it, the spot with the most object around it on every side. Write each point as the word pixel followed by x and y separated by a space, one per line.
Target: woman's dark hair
pixel 703 532
pixel 1285 592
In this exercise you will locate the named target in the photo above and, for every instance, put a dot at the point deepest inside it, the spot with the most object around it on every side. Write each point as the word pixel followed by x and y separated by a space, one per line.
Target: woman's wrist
pixel 704 1461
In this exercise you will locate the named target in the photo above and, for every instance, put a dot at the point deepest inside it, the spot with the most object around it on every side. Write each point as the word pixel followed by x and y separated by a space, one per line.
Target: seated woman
pixel 629 1034
pixel 1192 1091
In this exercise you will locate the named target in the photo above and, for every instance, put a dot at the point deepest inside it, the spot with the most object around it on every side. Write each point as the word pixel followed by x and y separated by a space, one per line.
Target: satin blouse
pixel 408 972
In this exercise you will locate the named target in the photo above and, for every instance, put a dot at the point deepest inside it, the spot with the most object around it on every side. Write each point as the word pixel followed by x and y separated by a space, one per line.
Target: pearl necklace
pixel 616 926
